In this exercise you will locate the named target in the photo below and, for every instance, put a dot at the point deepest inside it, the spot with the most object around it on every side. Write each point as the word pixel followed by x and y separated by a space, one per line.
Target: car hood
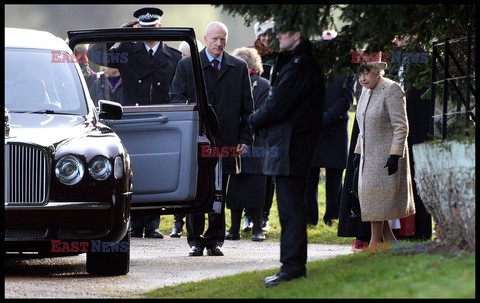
pixel 47 129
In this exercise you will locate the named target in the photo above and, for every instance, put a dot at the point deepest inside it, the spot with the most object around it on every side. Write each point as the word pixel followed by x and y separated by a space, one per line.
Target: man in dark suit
pixel 229 93
pixel 292 115
pixel 332 148
pixel 147 69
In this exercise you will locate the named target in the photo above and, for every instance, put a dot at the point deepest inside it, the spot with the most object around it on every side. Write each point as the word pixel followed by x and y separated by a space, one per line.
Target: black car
pixel 76 171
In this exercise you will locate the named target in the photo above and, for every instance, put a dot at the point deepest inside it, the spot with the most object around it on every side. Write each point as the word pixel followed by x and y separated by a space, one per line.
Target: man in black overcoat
pixel 229 93
pixel 292 115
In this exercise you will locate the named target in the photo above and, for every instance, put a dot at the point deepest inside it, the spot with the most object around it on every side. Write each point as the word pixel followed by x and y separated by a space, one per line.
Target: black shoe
pixel 214 251
pixel 328 222
pixel 196 251
pixel 247 223
pixel 281 277
pixel 156 234
pixel 232 236
pixel 176 232
pixel 258 237
pixel 136 234
pixel 265 226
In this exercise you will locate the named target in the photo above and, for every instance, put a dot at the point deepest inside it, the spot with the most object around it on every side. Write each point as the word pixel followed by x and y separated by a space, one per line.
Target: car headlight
pixel 100 168
pixel 69 170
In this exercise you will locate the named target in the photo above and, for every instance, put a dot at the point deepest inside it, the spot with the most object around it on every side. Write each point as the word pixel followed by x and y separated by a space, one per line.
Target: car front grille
pixel 26 174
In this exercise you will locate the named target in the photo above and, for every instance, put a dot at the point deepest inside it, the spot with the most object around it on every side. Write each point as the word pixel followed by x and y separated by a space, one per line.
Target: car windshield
pixel 35 82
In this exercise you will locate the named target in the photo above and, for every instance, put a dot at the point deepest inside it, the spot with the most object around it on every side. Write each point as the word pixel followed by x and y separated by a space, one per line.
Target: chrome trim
pixel 61 206
pixel 27 174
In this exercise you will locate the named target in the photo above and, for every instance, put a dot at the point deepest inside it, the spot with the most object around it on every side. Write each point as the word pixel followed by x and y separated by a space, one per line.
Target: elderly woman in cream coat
pixel 385 183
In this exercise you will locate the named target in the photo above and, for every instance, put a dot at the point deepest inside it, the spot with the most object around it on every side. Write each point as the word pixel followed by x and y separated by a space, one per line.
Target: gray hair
pixel 251 56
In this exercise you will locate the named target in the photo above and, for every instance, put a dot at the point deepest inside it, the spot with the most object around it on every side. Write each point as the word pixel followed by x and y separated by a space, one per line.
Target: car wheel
pixel 112 261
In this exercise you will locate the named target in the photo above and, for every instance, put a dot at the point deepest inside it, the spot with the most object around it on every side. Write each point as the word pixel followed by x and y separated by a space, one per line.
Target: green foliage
pixel 370 27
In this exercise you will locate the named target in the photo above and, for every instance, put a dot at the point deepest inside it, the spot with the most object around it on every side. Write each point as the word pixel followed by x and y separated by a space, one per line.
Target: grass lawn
pixel 360 275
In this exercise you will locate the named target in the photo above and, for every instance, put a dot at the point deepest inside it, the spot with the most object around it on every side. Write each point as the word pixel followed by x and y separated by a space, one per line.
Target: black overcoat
pixel 229 94
pixel 292 112
pixel 248 189
pixel 332 148
pixel 145 81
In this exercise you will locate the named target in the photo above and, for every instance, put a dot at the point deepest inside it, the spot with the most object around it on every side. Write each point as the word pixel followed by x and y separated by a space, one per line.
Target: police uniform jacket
pixel 145 80
pixel 292 112
pixel 230 95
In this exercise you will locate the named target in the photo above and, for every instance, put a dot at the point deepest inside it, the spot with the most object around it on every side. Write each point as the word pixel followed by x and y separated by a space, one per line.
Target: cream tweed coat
pixel 382 119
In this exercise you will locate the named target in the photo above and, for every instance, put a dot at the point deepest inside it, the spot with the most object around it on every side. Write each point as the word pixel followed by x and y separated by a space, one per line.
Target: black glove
pixel 356 161
pixel 392 164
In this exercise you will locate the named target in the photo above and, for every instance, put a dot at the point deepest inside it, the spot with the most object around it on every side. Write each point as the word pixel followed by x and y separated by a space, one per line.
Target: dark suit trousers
pixel 292 211
pixel 333 190
pixel 150 222
pixel 215 234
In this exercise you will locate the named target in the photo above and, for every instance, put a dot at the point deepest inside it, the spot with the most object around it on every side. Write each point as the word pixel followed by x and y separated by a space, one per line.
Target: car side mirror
pixel 110 110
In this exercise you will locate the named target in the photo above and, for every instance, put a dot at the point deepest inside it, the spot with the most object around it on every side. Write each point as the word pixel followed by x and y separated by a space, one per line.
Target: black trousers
pixel 268 199
pixel 236 216
pixel 333 190
pixel 215 234
pixel 150 222
pixel 292 211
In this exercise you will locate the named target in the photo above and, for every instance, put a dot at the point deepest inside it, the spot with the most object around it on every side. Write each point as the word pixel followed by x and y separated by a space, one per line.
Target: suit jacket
pixel 292 112
pixel 145 80
pixel 229 94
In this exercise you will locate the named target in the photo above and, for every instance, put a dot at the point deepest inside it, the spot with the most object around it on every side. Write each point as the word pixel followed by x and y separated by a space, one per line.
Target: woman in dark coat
pixel 247 190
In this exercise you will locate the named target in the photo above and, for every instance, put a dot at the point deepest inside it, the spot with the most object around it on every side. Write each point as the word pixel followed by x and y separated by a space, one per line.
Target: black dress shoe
pixel 176 232
pixel 281 277
pixel 196 251
pixel 214 251
pixel 265 226
pixel 136 234
pixel 258 237
pixel 232 236
pixel 154 234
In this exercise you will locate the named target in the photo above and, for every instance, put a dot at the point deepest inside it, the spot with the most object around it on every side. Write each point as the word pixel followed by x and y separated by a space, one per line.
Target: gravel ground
pixel 154 263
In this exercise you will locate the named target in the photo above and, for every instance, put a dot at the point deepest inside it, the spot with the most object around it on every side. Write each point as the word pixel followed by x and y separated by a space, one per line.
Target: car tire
pixel 110 263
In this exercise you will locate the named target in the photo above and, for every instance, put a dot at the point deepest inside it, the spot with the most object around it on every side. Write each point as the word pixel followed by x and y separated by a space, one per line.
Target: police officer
pixel 147 68
pixel 292 115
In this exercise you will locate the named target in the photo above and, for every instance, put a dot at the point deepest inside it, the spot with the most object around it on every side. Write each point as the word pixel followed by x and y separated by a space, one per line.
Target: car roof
pixel 29 38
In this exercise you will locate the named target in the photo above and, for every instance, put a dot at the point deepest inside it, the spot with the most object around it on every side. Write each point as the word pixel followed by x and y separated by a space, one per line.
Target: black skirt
pixel 246 191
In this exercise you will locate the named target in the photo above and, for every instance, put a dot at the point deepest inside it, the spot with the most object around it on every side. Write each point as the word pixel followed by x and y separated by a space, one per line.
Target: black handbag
pixel 354 202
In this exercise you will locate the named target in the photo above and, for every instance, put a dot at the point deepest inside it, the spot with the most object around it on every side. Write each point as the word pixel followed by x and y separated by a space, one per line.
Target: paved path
pixel 154 263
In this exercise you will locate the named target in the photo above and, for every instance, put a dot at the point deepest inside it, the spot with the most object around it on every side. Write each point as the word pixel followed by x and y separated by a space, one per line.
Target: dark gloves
pixel 356 161
pixel 326 119
pixel 392 164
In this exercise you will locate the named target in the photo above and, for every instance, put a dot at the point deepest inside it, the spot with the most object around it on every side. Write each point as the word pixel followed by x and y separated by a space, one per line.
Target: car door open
pixel 165 135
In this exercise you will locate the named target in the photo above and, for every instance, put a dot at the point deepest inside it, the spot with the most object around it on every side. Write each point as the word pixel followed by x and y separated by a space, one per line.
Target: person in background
pixel 108 86
pixel 292 115
pixel 268 55
pixel 262 44
pixel 385 183
pixel 332 148
pixel 177 230
pixel 247 190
